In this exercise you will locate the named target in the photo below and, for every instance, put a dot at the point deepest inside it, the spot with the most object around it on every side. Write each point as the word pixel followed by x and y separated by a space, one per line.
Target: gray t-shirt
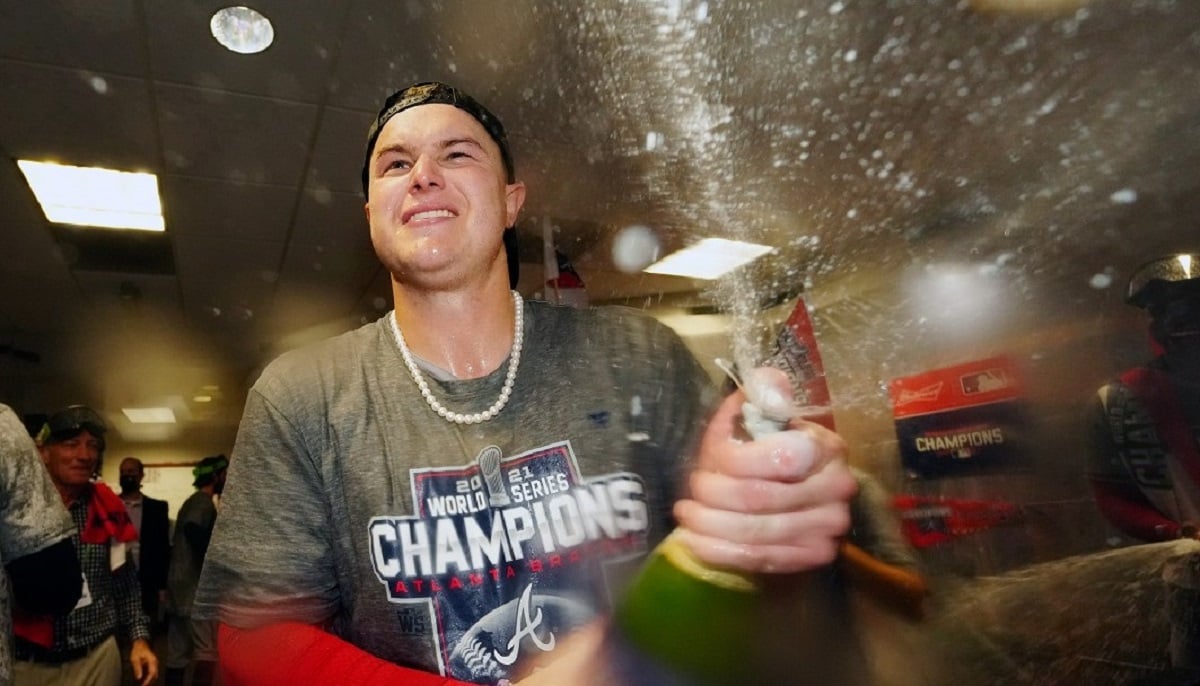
pixel 193 527
pixel 32 515
pixel 458 550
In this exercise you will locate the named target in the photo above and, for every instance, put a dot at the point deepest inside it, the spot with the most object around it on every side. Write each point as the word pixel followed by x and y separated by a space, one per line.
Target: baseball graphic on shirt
pixel 521 629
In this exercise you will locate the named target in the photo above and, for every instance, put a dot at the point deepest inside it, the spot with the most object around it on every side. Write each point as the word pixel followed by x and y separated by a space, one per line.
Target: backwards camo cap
pixel 437 93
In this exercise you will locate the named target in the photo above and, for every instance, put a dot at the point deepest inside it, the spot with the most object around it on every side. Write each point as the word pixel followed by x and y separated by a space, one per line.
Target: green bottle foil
pixel 697 621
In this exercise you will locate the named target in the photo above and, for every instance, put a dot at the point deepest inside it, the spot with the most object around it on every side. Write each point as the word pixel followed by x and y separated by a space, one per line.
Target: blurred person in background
pixel 1144 434
pixel 152 551
pixel 35 544
pixel 84 648
pixel 190 640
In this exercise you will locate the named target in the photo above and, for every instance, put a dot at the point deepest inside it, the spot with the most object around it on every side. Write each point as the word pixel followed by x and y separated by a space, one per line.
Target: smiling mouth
pixel 430 214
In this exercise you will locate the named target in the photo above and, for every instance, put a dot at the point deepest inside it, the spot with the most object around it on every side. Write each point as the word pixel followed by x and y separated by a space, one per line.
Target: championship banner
pixel 795 352
pixel 960 419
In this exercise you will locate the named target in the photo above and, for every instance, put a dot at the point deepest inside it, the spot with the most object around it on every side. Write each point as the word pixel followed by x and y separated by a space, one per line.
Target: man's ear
pixel 514 199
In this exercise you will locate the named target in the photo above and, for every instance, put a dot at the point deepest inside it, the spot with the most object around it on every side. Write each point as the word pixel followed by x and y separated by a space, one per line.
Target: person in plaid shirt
pixel 80 647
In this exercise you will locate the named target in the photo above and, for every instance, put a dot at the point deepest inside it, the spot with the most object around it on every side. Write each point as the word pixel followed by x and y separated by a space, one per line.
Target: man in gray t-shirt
pixel 456 488
pixel 193 641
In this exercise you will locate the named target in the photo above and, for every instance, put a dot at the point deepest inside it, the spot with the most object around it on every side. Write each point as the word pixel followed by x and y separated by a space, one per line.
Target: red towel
pixel 107 518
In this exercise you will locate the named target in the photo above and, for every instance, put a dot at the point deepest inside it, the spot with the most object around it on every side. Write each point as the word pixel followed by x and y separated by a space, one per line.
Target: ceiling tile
pixel 228 280
pixel 93 36
pixel 487 48
pixel 338 151
pixel 38 300
pixel 320 284
pixel 134 295
pixel 335 221
pixel 223 135
pixel 215 210
pixel 388 52
pixel 77 117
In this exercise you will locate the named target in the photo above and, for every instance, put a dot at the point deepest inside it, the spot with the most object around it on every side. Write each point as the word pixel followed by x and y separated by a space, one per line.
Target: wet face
pixel 439 202
pixel 72 462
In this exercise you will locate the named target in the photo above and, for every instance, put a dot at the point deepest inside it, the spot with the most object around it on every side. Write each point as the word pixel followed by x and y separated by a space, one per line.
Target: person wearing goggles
pixel 1144 465
pixel 80 646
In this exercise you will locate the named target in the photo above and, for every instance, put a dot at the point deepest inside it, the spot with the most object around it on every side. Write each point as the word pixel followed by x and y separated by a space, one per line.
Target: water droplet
pixel 635 248
pixel 1125 196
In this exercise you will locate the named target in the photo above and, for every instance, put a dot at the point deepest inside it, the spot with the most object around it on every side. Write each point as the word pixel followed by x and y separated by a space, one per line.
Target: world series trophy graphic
pixel 493 482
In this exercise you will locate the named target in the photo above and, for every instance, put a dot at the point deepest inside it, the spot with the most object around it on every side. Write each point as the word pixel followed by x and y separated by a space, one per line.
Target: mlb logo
pixel 945 418
pixel 984 382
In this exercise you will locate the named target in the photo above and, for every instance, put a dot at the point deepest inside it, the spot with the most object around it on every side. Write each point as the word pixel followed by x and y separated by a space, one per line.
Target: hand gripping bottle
pixel 688 622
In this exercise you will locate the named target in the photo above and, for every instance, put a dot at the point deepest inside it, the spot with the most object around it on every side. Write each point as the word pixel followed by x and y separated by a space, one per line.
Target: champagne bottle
pixel 696 620
pixel 692 620
pixel 701 623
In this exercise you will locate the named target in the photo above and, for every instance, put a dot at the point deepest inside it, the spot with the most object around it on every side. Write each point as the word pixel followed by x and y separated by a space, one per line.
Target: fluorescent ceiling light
pixel 93 196
pixel 711 258
pixel 242 30
pixel 149 415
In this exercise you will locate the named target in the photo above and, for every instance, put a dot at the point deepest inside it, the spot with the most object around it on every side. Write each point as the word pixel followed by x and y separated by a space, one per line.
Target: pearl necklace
pixel 509 379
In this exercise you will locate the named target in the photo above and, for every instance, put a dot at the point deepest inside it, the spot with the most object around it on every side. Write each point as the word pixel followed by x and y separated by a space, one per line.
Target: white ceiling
pixel 855 137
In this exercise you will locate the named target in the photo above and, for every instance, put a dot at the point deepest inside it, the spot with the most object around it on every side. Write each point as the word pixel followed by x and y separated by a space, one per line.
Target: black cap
pixel 436 93
pixel 71 421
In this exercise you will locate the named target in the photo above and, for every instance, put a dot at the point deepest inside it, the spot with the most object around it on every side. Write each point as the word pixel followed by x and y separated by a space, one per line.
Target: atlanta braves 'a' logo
pixel 525 626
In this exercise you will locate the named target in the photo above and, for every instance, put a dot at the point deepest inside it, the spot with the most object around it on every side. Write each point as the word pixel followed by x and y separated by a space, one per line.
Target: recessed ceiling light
pixel 242 30
pixel 711 258
pixel 94 196
pixel 149 415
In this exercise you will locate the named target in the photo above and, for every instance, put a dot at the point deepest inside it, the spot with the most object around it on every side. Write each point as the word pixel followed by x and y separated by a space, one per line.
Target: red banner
pixel 930 521
pixel 966 385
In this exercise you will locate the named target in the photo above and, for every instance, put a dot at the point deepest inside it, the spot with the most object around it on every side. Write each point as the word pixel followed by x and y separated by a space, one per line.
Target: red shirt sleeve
pixel 1129 511
pixel 297 654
